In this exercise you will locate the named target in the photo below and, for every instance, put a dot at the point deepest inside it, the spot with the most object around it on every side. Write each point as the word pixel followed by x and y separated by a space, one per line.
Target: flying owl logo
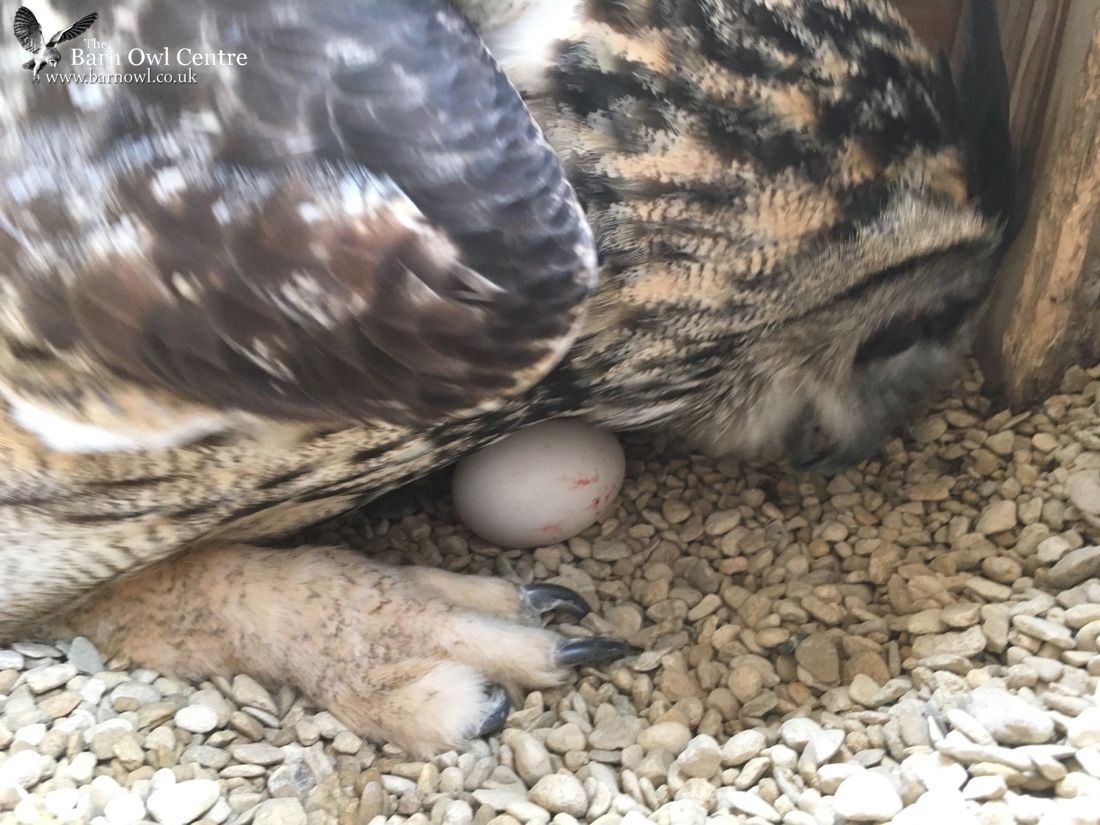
pixel 28 31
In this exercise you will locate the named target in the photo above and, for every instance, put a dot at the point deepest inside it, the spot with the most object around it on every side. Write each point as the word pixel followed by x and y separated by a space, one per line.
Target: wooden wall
pixel 1045 314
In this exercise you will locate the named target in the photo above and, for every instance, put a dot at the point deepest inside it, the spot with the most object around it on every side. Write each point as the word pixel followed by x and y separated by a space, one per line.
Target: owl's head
pixel 829 381
pixel 799 212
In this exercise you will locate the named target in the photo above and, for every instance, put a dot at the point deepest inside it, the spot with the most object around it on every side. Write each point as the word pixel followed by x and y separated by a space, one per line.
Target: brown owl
pixel 240 295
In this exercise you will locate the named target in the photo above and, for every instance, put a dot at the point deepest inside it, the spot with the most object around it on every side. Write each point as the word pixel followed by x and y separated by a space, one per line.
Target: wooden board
pixel 1032 32
pixel 1046 312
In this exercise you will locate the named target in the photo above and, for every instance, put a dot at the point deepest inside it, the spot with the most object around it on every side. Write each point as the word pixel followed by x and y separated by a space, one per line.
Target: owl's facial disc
pixel 828 387
pixel 833 409
pixel 894 370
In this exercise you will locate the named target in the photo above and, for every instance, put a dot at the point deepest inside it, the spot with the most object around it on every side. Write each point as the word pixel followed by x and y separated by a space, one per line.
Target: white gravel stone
pixel 81 767
pixel 997 517
pixel 27 811
pixel 1089 760
pixel 829 777
pixel 615 732
pixel 822 746
pixel 1084 729
pixel 496 798
pixel 105 788
pixel 257 753
pixel 968 644
pixel 1084 491
pixel 939 806
pixel 864 689
pixel 84 656
pixel 164 778
pixel 1044 630
pixel 560 793
pixel 702 757
pixel 1051 550
pixel 531 757
pixel 11 660
pixel 458 812
pixel 748 803
pixel 183 802
pixel 984 788
pixel 935 771
pixel 125 809
pixel 1009 719
pixel 742 746
pixel 668 736
pixel 683 812
pixel 247 691
pixel 347 743
pixel 47 677
pixel 569 737
pixel 867 797
pixel 37 650
pixel 23 769
pixel 796 733
pixel 1074 567
pixel 62 802
pixel 280 812
pixel 197 719
pixel 31 734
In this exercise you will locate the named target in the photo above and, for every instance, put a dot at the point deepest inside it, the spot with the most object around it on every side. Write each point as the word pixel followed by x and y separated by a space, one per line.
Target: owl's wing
pixel 75 30
pixel 27 30
pixel 376 230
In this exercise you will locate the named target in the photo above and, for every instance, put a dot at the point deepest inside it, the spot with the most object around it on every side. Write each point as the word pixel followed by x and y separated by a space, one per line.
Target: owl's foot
pixel 415 656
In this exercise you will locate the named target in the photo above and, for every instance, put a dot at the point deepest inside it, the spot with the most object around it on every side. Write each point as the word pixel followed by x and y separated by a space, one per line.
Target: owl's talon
pixel 592 650
pixel 498 712
pixel 463 636
pixel 540 599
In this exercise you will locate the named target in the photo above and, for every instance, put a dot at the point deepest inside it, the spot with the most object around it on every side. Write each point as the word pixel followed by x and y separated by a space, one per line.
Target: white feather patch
pixel 522 34
pixel 67 436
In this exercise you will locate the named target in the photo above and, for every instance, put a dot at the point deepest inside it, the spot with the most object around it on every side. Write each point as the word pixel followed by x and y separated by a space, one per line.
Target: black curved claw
pixel 542 598
pixel 498 713
pixel 591 650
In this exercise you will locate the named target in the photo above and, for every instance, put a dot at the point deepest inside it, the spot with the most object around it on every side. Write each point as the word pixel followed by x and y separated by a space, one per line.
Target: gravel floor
pixel 914 642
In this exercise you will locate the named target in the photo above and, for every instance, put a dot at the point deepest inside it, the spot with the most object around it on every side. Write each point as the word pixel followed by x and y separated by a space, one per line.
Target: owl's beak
pixel 811 448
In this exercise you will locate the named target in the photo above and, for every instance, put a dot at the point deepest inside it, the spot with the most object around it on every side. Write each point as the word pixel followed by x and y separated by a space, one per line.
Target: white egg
pixel 541 485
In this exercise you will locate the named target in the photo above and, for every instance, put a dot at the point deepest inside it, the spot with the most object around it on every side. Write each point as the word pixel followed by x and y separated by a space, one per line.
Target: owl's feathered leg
pixel 410 655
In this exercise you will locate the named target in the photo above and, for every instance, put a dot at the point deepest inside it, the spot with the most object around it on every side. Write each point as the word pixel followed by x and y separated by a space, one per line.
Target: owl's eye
pixel 891 340
pixel 902 333
pixel 946 323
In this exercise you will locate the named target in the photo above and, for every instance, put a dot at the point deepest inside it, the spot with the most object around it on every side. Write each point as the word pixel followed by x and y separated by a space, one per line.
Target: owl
pixel 326 247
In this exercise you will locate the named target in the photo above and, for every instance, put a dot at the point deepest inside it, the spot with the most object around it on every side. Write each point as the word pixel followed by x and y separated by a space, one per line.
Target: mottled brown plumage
pixel 232 309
